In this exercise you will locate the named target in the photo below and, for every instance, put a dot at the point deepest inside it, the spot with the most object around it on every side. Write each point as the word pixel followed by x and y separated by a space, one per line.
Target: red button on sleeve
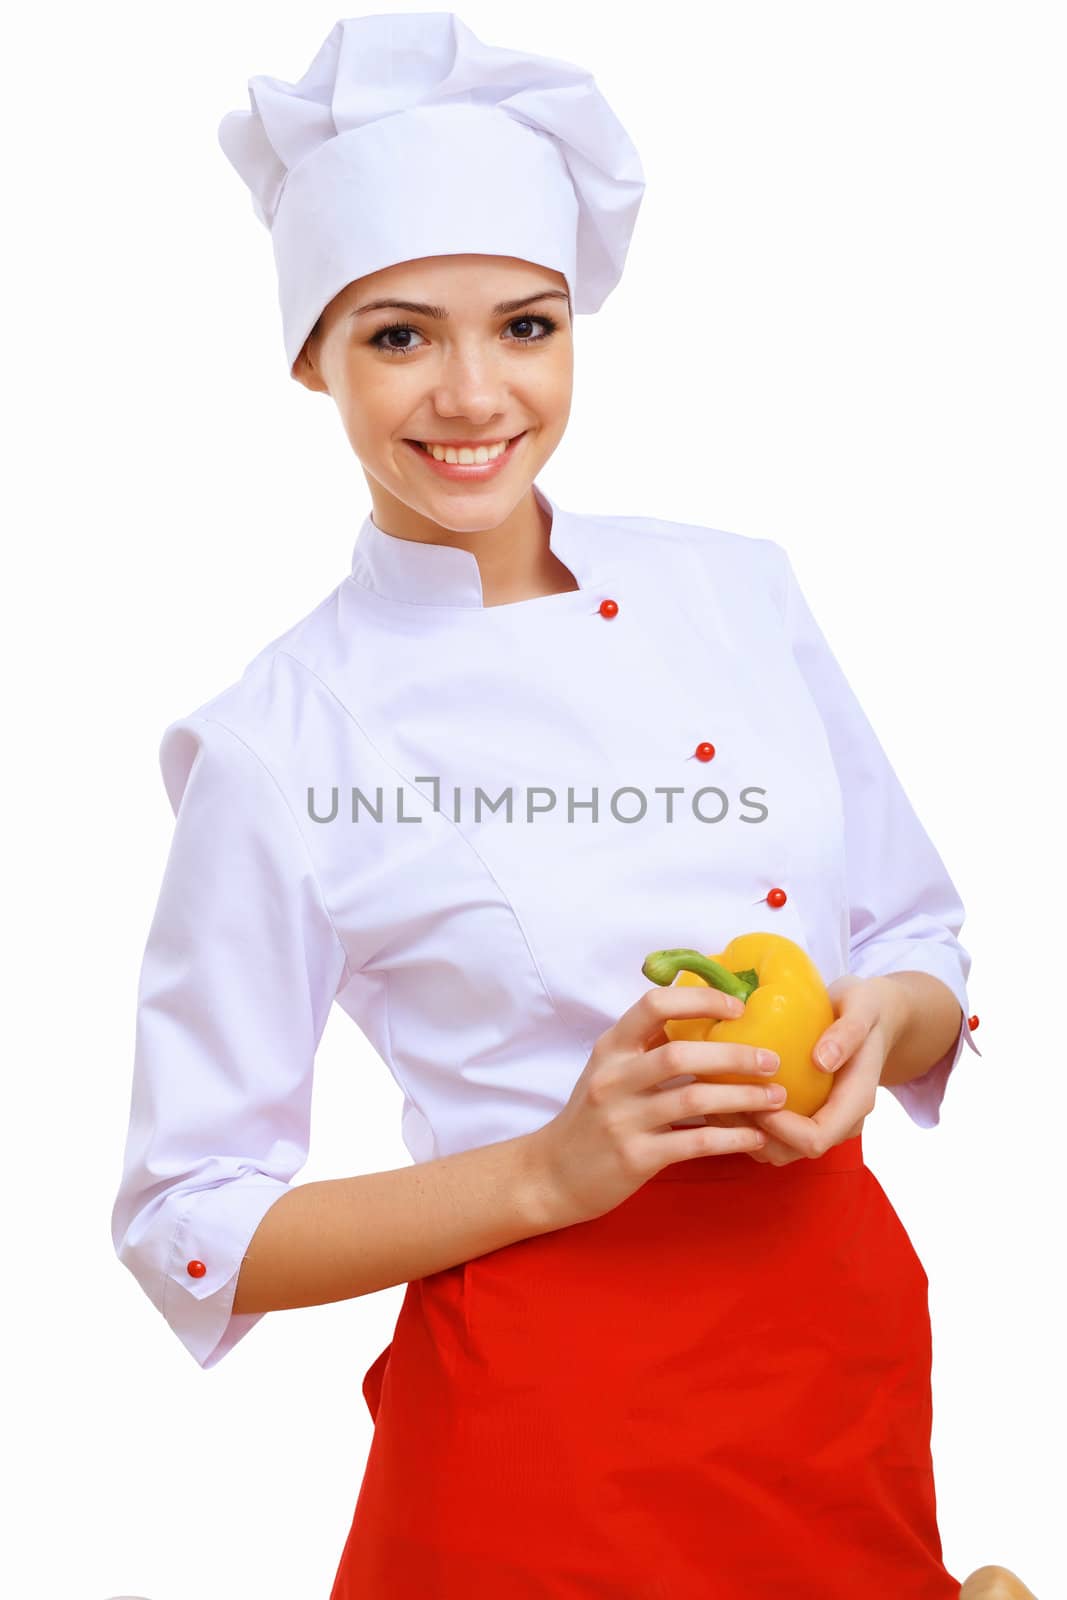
pixel 195 1269
pixel 776 898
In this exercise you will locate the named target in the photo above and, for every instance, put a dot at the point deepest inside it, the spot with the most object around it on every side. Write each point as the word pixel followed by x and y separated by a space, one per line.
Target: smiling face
pixel 479 352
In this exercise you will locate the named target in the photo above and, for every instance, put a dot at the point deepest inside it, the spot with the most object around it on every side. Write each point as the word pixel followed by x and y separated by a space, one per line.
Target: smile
pixel 467 461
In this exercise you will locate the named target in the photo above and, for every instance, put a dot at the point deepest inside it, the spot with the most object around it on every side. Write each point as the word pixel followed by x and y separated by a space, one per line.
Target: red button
pixel 704 752
pixel 972 1023
pixel 776 898
pixel 195 1269
pixel 609 608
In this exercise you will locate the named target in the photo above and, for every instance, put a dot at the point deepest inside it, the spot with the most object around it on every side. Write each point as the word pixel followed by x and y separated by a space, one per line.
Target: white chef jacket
pixel 331 843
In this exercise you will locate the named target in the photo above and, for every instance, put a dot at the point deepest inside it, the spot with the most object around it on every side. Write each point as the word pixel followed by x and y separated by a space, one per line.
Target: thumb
pixel 841 1040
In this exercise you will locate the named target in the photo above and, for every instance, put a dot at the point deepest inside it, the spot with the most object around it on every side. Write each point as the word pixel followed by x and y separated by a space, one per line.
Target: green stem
pixel 663 966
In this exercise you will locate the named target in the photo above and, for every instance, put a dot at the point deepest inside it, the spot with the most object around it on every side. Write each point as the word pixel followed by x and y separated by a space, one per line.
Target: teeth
pixel 463 456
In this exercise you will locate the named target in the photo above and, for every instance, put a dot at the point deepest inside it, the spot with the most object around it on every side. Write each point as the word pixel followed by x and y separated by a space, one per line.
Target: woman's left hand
pixel 865 1024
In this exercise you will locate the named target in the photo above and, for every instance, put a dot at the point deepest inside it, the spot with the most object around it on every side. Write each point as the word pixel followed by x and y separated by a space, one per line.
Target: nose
pixel 471 383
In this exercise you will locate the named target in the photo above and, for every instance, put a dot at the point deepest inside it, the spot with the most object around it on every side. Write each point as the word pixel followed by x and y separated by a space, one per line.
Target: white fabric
pixel 409 137
pixel 480 957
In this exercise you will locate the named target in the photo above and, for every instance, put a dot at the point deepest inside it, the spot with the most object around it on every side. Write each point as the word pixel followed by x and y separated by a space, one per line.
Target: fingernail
pixel 767 1059
pixel 828 1055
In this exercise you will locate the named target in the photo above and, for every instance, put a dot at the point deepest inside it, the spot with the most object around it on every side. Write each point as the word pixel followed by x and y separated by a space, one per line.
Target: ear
pixel 306 372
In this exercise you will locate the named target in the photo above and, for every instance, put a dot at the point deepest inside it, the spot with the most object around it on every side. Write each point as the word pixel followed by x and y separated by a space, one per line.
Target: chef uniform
pixel 468 825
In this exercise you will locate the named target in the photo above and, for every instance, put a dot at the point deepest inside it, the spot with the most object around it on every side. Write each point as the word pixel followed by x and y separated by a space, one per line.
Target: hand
pixel 617 1129
pixel 866 1021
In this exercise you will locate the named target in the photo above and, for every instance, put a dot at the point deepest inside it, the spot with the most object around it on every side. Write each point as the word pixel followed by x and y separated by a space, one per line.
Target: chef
pixel 659 1338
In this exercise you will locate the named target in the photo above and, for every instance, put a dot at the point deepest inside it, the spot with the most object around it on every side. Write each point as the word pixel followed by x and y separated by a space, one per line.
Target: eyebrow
pixel 439 314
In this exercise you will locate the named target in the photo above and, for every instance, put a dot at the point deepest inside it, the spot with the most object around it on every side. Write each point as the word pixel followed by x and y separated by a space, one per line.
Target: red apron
pixel 719 1387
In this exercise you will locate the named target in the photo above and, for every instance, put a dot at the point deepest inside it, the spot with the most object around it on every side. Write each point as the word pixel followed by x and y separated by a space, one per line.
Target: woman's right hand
pixel 615 1131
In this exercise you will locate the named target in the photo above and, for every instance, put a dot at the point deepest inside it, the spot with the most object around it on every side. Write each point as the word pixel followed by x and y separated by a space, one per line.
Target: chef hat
pixel 409 137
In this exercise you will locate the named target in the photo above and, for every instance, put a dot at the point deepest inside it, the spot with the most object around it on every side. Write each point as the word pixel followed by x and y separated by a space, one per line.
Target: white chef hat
pixel 409 137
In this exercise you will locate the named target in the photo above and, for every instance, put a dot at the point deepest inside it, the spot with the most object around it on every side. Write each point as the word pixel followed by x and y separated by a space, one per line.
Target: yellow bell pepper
pixel 787 1008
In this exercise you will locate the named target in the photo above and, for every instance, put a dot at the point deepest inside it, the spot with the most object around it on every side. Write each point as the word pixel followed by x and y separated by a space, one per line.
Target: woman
pixel 656 1334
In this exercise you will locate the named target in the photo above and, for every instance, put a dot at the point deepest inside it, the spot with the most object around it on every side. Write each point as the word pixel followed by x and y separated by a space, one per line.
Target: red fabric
pixel 720 1387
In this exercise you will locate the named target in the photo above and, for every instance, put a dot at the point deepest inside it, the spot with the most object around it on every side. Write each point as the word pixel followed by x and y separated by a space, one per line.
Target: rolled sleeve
pixel 240 969
pixel 904 914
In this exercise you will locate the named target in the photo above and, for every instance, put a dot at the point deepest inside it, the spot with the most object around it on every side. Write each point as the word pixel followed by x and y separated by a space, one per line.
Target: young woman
pixel 658 1338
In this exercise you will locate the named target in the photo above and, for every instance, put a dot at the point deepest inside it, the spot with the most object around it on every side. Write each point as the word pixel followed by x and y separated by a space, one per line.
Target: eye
pixel 548 323
pixel 392 349
pixel 379 340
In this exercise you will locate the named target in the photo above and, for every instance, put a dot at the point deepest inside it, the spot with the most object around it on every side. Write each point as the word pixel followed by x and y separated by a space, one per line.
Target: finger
pixel 641 1026
pixel 732 1119
pixel 700 1058
pixel 843 1038
pixel 851 1098
pixel 773 1152
pixel 811 1145
pixel 849 1102
pixel 794 1131
pixel 778 1154
pixel 661 1106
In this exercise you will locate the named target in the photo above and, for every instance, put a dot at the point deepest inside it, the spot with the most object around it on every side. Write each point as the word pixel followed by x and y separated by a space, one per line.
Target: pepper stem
pixel 663 966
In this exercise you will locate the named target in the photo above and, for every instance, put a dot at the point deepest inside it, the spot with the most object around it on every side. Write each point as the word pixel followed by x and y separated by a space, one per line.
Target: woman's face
pixel 487 355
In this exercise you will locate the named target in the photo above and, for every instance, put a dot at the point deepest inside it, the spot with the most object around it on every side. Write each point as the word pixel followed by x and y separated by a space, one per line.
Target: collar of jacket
pixel 411 571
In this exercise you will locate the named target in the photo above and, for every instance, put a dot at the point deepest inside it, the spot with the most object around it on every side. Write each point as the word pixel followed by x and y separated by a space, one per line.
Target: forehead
pixel 463 279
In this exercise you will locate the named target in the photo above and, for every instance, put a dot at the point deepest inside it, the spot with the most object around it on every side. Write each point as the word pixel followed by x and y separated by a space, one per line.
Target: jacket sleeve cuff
pixel 922 1097
pixel 215 1227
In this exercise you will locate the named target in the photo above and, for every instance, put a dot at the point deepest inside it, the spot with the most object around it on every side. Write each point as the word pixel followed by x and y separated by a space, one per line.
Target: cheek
pixel 370 416
pixel 550 398
pixel 358 434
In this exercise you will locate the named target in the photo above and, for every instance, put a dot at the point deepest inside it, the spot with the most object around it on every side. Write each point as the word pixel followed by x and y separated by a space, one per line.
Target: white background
pixel 841 326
